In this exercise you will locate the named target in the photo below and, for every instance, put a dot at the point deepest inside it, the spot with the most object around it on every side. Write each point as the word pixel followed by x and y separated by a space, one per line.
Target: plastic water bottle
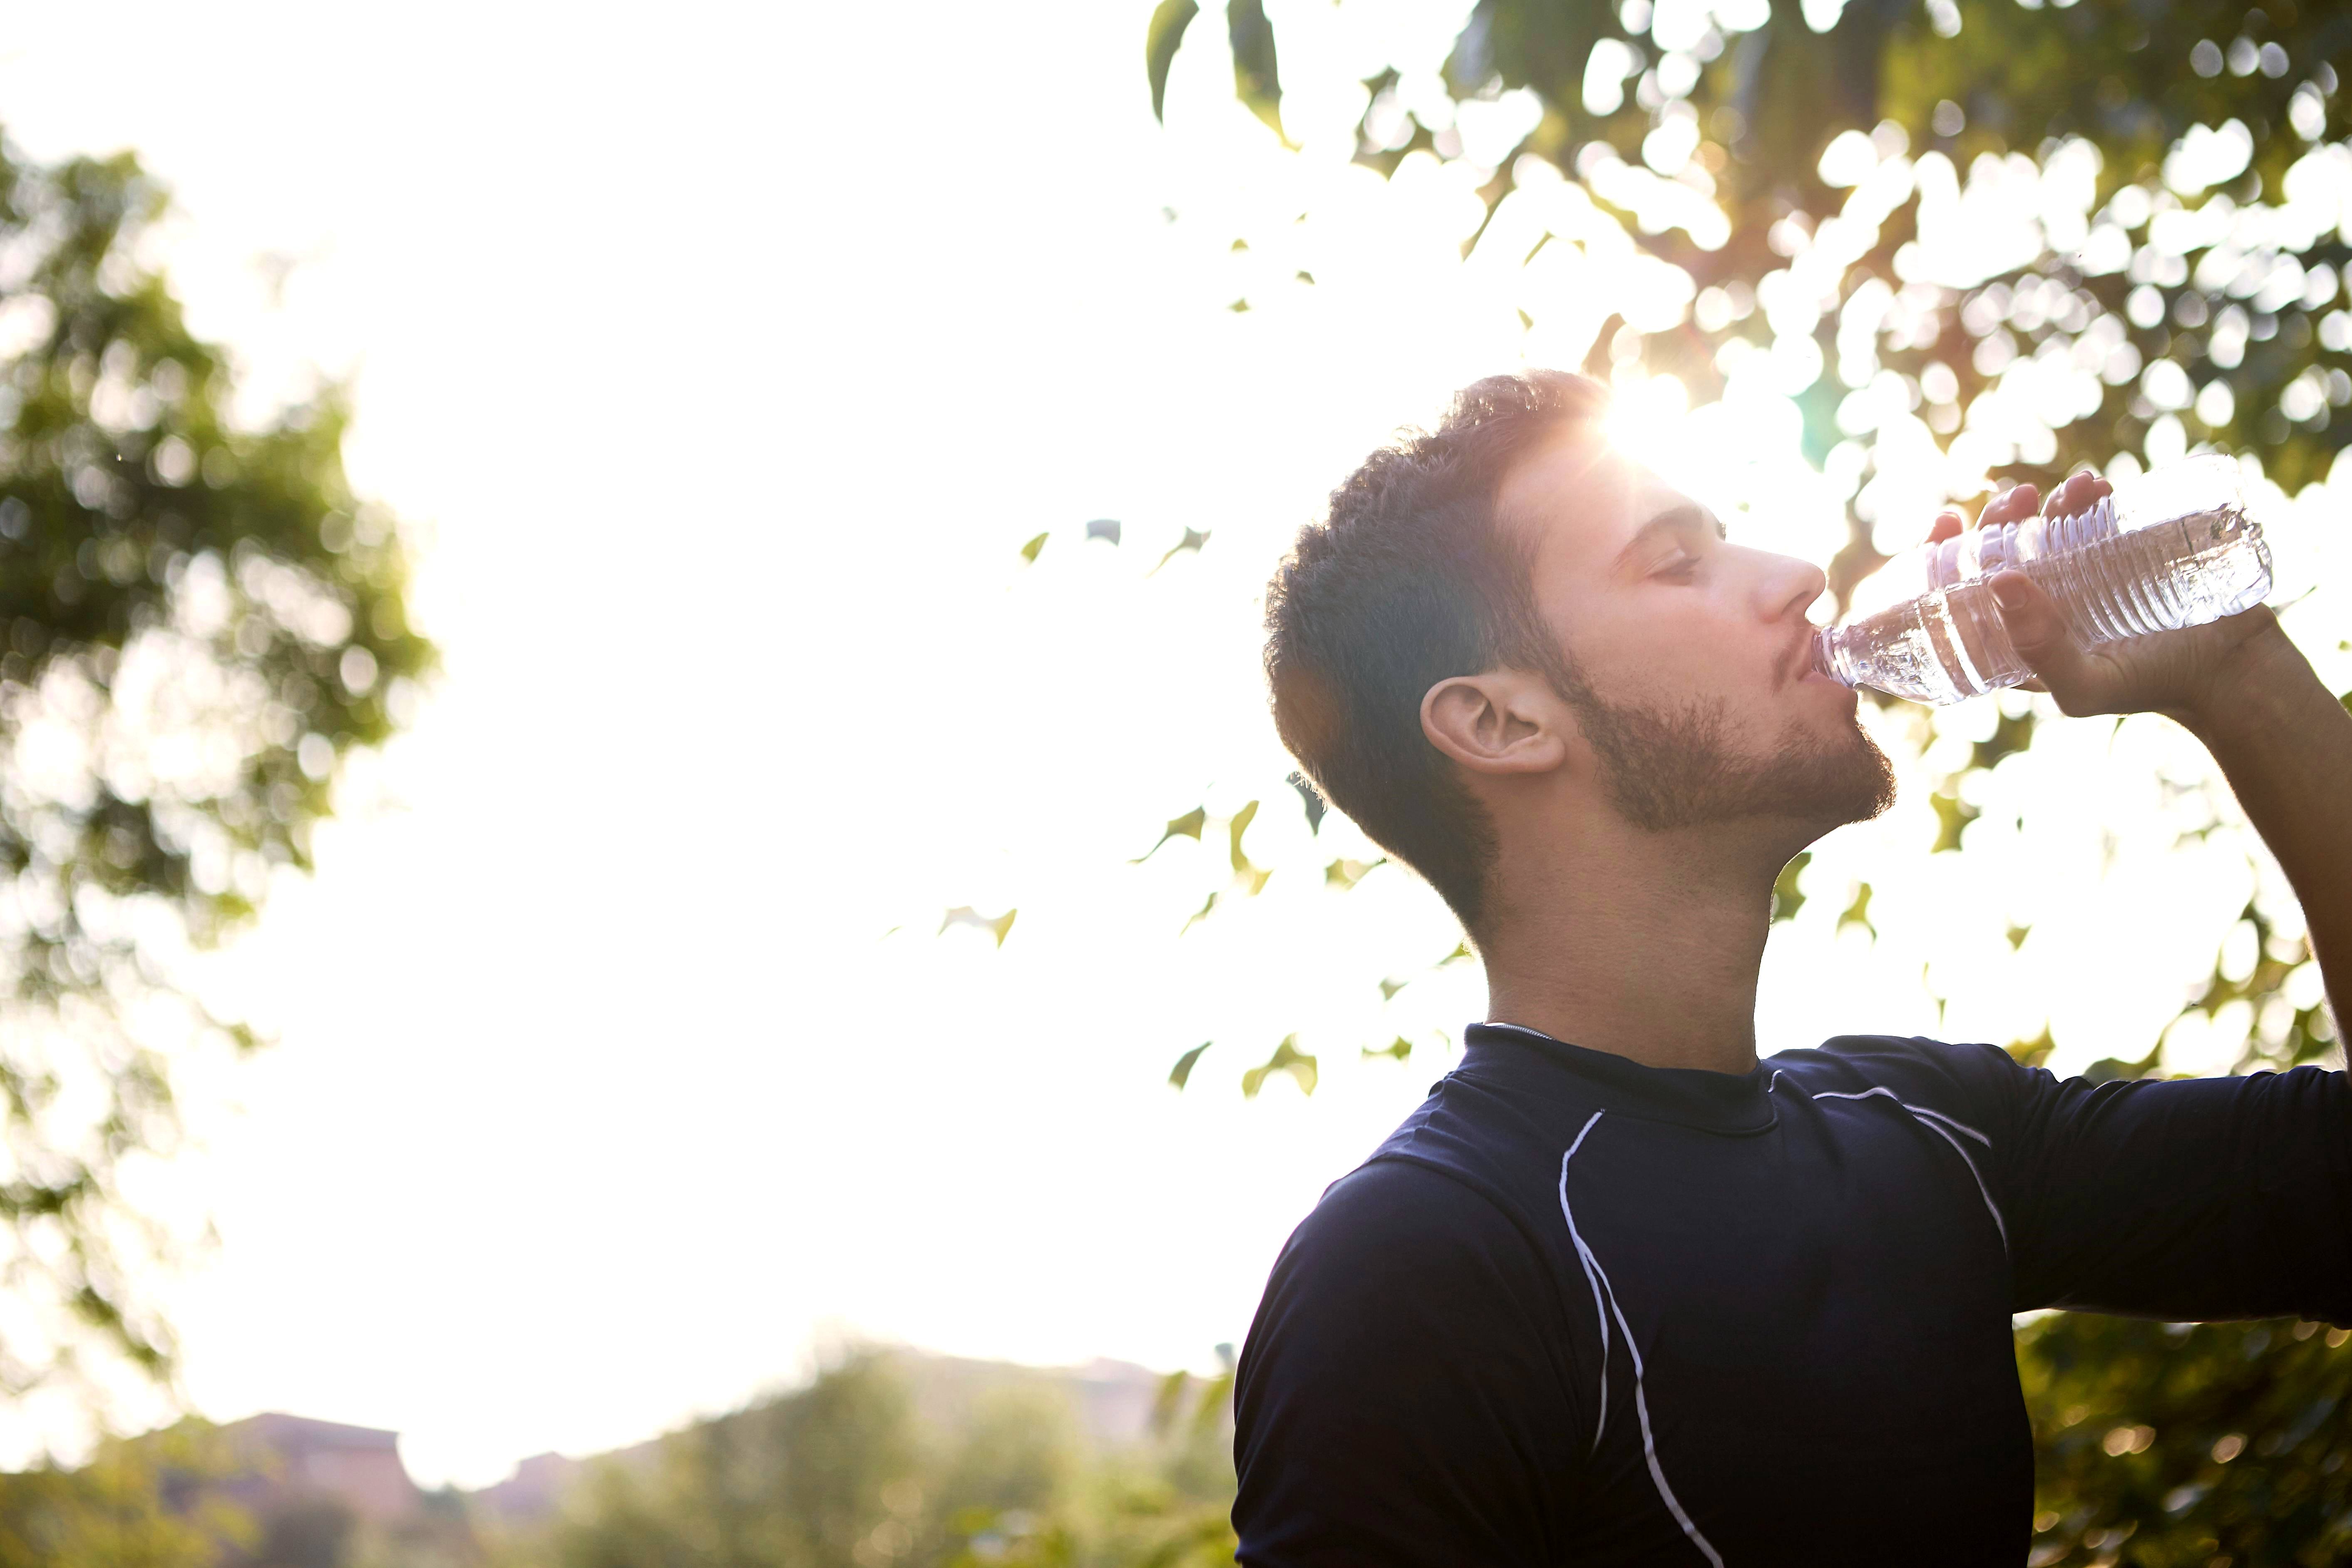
pixel 2169 549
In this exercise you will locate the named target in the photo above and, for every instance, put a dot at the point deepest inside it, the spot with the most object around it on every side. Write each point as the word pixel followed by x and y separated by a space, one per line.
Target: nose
pixel 1785 586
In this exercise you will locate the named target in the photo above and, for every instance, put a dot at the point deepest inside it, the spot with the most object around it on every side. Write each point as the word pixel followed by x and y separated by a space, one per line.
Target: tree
pixel 198 620
pixel 134 1504
pixel 2183 1444
pixel 1972 241
pixel 846 1472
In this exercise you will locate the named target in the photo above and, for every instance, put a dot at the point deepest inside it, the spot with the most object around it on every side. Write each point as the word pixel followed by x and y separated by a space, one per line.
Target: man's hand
pixel 2189 674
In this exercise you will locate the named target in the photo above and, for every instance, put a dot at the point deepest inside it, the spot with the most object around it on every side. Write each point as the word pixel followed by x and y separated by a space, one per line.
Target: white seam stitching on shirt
pixel 1649 1444
pixel 1854 1094
pixel 1598 1278
pixel 1585 1258
pixel 1927 1119
pixel 1983 1191
pixel 1954 1122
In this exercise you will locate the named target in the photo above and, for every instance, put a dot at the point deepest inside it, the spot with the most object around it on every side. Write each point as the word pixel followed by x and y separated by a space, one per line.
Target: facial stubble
pixel 1667 768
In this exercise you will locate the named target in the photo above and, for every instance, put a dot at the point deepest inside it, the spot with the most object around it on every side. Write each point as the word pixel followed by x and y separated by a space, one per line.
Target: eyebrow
pixel 1681 519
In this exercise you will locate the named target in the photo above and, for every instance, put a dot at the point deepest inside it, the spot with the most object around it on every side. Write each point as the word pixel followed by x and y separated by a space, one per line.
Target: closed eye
pixel 1687 529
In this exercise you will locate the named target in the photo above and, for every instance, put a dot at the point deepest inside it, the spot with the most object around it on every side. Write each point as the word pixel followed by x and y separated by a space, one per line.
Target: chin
pixel 1849 780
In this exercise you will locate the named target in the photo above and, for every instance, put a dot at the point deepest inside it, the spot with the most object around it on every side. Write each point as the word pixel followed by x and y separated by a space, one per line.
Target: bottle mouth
pixel 1820 660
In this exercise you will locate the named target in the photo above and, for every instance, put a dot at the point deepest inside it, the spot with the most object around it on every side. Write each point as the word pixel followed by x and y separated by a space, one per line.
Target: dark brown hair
pixel 1409 580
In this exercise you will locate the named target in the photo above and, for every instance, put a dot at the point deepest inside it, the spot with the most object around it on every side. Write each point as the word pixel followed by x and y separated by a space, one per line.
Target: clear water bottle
pixel 2169 549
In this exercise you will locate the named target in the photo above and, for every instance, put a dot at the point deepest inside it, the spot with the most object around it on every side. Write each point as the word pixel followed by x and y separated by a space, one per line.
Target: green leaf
pixel 1187 826
pixel 1235 829
pixel 1344 874
pixel 1287 1058
pixel 1256 81
pixel 1858 912
pixel 1029 552
pixel 1161 39
pixel 1309 797
pixel 1786 899
pixel 997 926
pixel 1397 1050
pixel 1181 1074
pixel 1952 814
pixel 1193 540
pixel 1460 951
pixel 1389 989
pixel 1200 915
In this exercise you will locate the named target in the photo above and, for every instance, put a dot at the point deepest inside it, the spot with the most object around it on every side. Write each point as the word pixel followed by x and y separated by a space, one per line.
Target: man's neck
pixel 1647 947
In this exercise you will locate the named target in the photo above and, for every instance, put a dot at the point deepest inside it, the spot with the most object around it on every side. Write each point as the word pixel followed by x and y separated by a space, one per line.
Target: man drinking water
pixel 1618 1292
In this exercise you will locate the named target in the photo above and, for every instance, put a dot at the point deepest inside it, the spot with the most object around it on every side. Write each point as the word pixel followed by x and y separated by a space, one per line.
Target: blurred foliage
pixel 193 1496
pixel 1781 155
pixel 845 1473
pixel 2180 1444
pixel 197 620
pixel 135 1504
pixel 1751 95
pixel 316 1529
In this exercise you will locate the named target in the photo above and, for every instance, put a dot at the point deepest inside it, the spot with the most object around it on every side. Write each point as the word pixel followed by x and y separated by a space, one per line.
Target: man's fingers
pixel 2010 506
pixel 2079 493
pixel 1948 525
pixel 2037 628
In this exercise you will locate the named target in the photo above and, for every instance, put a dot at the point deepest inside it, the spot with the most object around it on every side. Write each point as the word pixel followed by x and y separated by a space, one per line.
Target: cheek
pixel 1682 646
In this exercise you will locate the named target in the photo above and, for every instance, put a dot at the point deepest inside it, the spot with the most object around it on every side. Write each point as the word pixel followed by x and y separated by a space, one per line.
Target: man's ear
pixel 1503 721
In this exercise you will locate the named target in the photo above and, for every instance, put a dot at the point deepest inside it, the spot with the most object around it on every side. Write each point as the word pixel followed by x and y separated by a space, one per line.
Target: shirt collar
pixel 1528 1060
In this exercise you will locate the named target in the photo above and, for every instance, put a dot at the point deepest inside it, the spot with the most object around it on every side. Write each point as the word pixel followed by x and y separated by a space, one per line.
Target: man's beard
pixel 1668 769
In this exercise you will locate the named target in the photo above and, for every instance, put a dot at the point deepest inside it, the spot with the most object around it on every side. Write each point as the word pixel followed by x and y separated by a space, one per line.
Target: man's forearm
pixel 2284 742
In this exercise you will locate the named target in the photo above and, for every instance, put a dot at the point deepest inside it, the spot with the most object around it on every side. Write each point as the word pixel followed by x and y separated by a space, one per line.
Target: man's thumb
pixel 2035 627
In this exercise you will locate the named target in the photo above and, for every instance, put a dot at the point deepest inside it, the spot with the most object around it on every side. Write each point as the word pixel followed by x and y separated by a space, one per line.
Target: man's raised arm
pixel 2283 739
pixel 2284 742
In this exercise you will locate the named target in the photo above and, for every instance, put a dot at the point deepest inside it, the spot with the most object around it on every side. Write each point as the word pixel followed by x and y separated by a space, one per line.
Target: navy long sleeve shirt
pixel 1580 1310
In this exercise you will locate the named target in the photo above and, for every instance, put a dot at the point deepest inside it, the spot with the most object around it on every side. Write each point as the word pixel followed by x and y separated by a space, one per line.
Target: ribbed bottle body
pixel 2174 548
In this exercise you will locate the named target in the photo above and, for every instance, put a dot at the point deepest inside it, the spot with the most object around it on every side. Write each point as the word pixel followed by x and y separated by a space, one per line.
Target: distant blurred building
pixel 285 1458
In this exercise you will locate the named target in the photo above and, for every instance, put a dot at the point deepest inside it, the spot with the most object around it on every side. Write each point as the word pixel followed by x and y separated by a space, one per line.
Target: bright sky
pixel 723 358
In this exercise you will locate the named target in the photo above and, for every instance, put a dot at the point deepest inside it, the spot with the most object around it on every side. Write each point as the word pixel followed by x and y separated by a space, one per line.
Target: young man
pixel 1619 1293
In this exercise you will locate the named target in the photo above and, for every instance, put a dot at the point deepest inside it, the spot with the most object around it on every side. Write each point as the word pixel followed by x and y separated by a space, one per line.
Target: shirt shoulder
pixel 1418 1243
pixel 1406 1392
pixel 1976 1082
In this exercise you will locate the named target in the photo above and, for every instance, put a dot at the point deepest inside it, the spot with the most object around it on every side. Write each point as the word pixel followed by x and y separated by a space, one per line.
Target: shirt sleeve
pixel 1402 1400
pixel 2183 1200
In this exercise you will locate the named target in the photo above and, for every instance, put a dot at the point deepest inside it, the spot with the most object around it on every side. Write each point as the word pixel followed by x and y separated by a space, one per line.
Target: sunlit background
pixel 723 367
